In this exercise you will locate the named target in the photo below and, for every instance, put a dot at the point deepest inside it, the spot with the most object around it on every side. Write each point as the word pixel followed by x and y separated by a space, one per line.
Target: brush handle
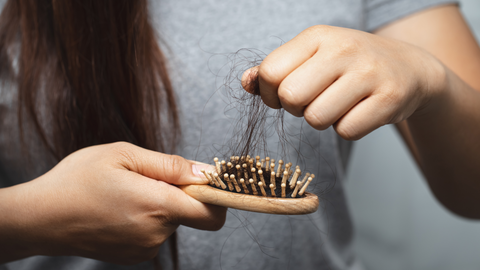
pixel 261 204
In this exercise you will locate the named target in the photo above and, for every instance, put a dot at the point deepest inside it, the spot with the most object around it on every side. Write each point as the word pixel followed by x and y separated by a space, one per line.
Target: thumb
pixel 172 169
pixel 250 80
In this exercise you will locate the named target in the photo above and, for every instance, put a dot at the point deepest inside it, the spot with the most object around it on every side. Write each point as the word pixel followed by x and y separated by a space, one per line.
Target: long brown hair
pixel 88 72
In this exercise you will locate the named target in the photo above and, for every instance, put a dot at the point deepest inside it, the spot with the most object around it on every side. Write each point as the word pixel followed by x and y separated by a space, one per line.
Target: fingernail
pixel 197 170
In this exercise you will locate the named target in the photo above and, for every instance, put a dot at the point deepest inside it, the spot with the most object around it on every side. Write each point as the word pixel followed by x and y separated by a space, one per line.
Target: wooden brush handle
pixel 270 205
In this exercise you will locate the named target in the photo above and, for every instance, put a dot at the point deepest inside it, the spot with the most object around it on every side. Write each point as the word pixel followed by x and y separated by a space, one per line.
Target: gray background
pixel 399 224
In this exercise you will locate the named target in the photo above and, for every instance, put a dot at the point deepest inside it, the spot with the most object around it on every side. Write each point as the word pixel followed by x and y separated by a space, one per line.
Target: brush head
pixel 249 185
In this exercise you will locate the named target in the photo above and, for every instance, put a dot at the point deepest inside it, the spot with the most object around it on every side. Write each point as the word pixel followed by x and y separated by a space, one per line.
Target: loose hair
pixel 87 72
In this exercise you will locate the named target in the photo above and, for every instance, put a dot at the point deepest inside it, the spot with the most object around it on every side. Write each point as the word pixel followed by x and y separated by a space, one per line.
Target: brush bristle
pixel 247 175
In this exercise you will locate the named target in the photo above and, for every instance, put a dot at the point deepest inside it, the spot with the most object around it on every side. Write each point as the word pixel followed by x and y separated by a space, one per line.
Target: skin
pixel 420 73
pixel 114 203
pixel 117 202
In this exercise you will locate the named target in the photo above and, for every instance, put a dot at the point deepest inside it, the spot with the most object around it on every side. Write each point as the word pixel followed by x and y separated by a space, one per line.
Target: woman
pixel 103 202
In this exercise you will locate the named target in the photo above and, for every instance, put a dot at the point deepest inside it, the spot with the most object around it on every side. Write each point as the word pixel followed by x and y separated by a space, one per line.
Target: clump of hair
pixel 255 121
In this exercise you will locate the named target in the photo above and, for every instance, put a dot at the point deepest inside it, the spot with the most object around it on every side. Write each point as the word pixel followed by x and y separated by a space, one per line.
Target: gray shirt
pixel 199 37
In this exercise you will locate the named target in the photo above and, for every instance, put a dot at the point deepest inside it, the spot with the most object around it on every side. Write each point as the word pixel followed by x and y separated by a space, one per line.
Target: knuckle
pixel 348 47
pixel 391 98
pixel 176 165
pixel 348 131
pixel 121 145
pixel 368 70
pixel 318 29
pixel 269 73
pixel 316 119
pixel 124 153
pixel 286 94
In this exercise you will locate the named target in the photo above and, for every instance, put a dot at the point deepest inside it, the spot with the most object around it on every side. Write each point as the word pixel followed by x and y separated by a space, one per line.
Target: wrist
pixel 437 86
pixel 17 230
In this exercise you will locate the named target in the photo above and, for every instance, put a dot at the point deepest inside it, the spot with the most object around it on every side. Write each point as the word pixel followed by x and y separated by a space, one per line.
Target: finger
pixel 336 101
pixel 368 115
pixel 308 81
pixel 250 80
pixel 169 168
pixel 281 62
pixel 198 215
pixel 185 210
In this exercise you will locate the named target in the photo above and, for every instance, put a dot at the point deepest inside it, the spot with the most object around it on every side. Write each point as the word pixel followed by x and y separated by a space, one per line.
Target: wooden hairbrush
pixel 253 184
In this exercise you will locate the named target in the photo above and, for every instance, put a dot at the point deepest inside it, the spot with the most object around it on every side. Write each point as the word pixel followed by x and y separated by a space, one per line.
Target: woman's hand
pixel 350 79
pixel 114 202
pixel 358 82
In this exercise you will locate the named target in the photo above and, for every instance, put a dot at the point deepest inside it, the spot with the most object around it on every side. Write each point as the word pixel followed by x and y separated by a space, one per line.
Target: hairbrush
pixel 257 185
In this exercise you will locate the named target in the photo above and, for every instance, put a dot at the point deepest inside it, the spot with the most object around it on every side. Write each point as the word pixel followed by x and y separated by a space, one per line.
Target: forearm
pixel 443 135
pixel 446 137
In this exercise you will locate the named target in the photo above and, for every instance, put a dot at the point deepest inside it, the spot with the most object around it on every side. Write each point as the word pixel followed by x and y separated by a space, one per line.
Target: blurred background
pixel 398 222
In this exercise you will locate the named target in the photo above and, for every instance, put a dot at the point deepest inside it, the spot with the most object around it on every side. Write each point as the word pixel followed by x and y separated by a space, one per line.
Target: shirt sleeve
pixel 383 12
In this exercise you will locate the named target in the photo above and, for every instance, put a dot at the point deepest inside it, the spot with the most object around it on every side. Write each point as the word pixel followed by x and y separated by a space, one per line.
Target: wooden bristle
pixel 305 178
pixel 283 190
pixel 272 189
pixel 305 186
pixel 285 177
pixel 232 179
pixel 229 165
pixel 287 166
pixel 217 165
pixel 226 177
pixel 267 164
pixel 272 179
pixel 272 167
pixel 279 169
pixel 290 171
pixel 224 165
pixel 260 184
pixel 219 181
pixel 252 184
pixel 207 176
pixel 244 166
pixel 259 166
pixel 257 158
pixel 293 181
pixel 242 181
pixel 217 184
pixel 294 194
pixel 262 162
